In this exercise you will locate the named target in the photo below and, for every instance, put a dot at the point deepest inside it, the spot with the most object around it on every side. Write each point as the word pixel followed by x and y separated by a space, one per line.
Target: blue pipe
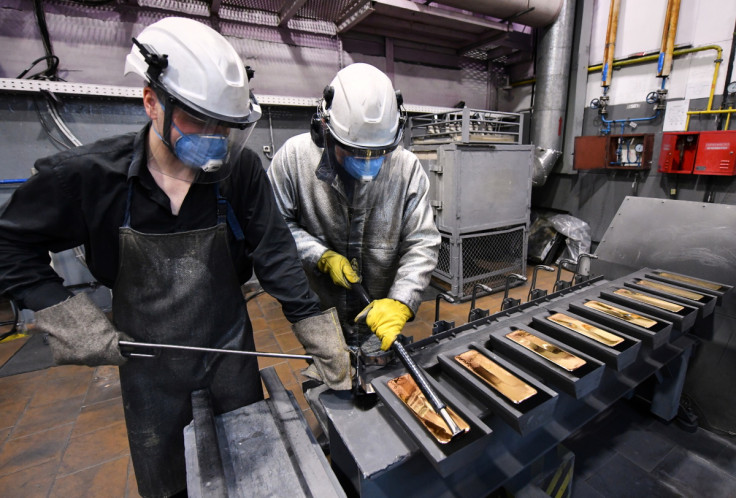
pixel 19 180
pixel 624 121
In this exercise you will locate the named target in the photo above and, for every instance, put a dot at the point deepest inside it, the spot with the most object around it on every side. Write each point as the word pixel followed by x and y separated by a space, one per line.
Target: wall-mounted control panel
pixel 627 152
pixel 699 153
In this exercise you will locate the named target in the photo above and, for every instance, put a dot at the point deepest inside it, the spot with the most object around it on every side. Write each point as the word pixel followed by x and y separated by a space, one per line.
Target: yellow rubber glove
pixel 339 269
pixel 386 318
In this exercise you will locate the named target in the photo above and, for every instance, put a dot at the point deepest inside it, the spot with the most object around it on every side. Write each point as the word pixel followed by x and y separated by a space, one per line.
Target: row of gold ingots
pixel 513 388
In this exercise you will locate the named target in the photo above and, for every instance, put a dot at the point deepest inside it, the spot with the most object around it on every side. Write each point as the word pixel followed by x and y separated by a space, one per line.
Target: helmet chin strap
pixel 168 119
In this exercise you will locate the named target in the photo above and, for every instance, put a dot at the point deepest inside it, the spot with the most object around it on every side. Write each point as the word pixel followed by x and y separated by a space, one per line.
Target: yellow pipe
pixel 655 57
pixel 684 51
pixel 720 111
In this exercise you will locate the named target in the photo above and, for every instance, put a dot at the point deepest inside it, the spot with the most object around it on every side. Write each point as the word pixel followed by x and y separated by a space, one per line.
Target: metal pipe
pixel 671 33
pixel 610 42
pixel 684 51
pixel 663 43
pixel 553 61
pixel 534 278
pixel 718 111
pixel 134 344
pixel 475 288
pixel 444 296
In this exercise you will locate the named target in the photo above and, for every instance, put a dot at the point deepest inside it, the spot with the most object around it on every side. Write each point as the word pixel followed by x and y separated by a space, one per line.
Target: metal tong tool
pixel 128 348
pixel 437 404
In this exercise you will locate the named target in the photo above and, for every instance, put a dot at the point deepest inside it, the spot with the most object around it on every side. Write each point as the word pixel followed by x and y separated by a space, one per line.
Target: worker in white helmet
pixel 357 205
pixel 174 218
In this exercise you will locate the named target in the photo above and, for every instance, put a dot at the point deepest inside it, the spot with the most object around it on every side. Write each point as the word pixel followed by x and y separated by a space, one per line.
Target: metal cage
pixel 480 258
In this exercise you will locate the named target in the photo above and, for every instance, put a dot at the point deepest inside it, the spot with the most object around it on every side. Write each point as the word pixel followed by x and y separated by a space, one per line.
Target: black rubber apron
pixel 179 288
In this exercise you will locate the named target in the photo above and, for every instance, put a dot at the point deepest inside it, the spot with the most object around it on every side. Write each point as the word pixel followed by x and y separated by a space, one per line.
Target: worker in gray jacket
pixel 357 205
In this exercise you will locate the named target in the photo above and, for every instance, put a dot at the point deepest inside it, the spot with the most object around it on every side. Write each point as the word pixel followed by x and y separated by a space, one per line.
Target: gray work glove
pixel 79 333
pixel 321 336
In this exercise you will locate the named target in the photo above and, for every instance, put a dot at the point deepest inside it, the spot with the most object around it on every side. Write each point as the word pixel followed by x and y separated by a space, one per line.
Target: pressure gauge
pixel 731 88
pixel 639 148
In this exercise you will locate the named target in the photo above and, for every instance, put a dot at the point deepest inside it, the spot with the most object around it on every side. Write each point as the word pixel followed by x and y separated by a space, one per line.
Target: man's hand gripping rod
pixel 437 404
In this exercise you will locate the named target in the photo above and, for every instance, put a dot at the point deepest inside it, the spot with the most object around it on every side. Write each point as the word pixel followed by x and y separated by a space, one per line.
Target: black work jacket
pixel 78 197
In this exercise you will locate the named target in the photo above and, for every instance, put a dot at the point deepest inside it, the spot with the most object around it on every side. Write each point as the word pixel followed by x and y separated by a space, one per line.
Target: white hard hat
pixel 198 67
pixel 361 108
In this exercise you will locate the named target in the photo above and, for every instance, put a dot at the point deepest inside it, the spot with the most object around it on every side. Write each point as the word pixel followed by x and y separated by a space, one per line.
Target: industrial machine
pixel 480 177
pixel 524 379
pixel 520 380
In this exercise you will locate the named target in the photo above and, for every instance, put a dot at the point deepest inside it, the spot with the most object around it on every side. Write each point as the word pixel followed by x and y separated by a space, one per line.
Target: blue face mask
pixel 361 168
pixel 201 151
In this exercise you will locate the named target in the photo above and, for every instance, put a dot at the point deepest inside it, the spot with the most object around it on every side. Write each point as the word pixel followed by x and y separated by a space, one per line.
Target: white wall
pixel 701 22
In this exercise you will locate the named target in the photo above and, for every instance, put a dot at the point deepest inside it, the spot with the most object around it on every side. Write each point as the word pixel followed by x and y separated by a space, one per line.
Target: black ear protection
pixel 316 126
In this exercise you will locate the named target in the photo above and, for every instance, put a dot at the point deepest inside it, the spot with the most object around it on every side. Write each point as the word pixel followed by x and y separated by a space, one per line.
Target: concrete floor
pixel 62 431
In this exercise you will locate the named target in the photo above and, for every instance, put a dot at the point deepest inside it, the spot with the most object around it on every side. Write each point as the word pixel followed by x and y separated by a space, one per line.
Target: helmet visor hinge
pixel 156 62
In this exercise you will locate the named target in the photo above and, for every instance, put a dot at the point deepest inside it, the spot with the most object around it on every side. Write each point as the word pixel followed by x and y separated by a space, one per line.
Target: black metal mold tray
pixel 718 289
pixel 577 383
pixel 655 336
pixel 445 458
pixel 524 416
pixel 616 357
pixel 682 320
pixel 705 305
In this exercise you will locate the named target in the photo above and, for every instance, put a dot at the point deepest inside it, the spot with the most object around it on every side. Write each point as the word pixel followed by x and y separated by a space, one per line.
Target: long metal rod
pixel 134 344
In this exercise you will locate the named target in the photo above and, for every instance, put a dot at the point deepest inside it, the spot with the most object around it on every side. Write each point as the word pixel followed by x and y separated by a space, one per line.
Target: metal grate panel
pixel 482 258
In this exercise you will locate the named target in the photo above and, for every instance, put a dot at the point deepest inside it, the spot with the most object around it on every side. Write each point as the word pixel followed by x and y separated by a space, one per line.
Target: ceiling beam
pixel 354 15
pixel 288 10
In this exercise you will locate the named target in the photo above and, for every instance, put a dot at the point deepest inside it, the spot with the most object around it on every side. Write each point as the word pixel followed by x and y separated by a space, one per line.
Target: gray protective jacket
pixel 394 240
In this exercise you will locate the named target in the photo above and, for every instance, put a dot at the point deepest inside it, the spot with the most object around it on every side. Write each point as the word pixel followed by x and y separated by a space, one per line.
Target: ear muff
pixel 316 128
pixel 316 131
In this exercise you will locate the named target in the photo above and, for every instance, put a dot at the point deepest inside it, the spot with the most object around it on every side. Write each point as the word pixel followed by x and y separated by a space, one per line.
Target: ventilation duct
pixel 554 53
pixel 535 13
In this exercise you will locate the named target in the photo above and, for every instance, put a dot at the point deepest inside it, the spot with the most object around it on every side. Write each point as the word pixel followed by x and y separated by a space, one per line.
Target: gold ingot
pixel 689 280
pixel 623 315
pixel 675 291
pixel 654 301
pixel 586 329
pixel 409 393
pixel 548 351
pixel 496 376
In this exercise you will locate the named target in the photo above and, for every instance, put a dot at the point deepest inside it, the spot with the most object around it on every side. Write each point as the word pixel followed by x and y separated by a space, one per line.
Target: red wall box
pixel 629 152
pixel 678 151
pixel 716 153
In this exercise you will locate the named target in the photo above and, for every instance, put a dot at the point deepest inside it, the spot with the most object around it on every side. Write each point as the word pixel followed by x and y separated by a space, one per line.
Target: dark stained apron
pixel 179 288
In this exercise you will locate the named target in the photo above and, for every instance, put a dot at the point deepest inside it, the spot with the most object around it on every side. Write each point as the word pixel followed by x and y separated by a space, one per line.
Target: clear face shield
pixel 365 174
pixel 208 147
